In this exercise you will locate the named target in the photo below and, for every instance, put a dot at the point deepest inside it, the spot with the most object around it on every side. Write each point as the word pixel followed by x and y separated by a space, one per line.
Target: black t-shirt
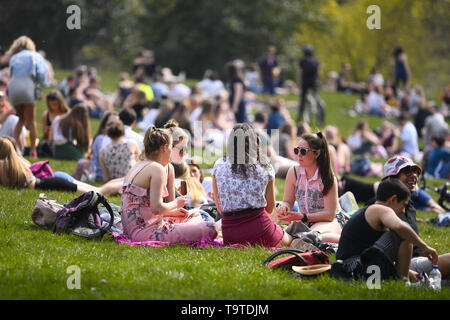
pixel 356 236
pixel 309 66
pixel 410 218
pixel 232 93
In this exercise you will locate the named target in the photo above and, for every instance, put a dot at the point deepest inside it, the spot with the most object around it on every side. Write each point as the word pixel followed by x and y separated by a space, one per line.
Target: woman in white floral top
pixel 243 185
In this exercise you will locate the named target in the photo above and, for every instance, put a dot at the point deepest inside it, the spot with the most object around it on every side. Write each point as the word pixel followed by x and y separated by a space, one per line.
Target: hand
pixel 281 210
pixel 431 254
pixel 180 212
pixel 412 275
pixel 291 216
pixel 180 201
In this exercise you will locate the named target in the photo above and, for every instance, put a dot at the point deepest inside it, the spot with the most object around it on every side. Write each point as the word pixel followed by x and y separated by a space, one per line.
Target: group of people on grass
pixel 159 188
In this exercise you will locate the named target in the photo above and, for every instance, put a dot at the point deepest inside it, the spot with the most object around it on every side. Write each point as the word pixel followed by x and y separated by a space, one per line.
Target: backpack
pixel 45 149
pixel 45 212
pixel 41 169
pixel 297 258
pixel 81 216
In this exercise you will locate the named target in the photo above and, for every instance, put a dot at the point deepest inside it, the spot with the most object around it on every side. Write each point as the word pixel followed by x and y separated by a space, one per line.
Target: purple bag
pixel 41 169
pixel 81 216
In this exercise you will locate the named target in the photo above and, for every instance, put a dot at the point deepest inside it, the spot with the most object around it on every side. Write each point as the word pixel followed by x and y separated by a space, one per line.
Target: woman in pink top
pixel 314 187
pixel 144 214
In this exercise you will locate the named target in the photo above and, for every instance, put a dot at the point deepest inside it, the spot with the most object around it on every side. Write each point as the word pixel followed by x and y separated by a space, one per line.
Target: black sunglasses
pixel 302 151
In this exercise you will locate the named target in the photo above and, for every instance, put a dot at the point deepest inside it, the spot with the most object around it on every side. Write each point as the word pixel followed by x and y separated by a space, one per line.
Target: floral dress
pixel 118 159
pixel 141 224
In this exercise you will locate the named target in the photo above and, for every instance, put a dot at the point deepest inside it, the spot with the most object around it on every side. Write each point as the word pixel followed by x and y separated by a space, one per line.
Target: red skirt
pixel 254 227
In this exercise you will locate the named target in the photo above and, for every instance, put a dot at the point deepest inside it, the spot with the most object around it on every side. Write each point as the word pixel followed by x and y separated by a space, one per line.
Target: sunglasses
pixel 302 151
pixel 181 150
pixel 409 171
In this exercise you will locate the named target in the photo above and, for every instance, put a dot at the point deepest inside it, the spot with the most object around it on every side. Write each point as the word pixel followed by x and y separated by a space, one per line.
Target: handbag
pixel 296 258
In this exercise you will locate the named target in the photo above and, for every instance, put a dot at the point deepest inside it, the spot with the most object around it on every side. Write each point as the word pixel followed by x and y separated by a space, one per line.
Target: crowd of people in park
pixel 150 128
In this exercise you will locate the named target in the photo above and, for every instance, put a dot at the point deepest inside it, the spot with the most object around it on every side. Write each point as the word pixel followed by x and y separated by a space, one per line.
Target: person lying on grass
pixel 313 185
pixel 145 216
pixel 379 226
pixel 15 173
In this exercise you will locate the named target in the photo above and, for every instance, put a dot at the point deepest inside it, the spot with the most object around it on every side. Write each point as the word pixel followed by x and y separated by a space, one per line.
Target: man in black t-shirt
pixel 407 172
pixel 309 78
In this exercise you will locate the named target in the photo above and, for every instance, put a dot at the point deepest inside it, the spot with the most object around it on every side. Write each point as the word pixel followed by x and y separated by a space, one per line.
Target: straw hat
pixel 312 270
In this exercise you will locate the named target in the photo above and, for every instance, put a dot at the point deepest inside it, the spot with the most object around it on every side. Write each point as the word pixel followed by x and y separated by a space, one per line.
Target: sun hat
pixel 312 270
pixel 393 166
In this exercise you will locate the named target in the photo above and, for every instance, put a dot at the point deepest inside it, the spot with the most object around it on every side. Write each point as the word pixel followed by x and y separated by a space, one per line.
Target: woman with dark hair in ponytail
pixel 313 185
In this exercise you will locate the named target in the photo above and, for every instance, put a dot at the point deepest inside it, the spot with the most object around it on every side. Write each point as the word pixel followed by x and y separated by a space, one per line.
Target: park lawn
pixel 34 262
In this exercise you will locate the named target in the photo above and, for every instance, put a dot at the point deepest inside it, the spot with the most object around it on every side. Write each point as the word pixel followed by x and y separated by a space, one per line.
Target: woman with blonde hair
pixel 28 70
pixel 15 173
pixel 71 133
pixel 56 106
pixel 145 216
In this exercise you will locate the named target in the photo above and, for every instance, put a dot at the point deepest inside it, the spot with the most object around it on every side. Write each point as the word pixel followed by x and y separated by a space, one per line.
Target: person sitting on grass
pixel 56 106
pixel 313 185
pixel 243 190
pixel 71 134
pixel 145 217
pixel 379 226
pixel 120 155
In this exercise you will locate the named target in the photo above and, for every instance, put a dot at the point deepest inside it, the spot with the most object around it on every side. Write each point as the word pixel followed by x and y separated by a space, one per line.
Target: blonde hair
pixel 194 187
pixel 14 173
pixel 177 133
pixel 154 139
pixel 21 43
pixel 57 96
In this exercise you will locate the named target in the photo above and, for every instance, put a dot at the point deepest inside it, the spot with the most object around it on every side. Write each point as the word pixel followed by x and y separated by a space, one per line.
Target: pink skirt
pixel 254 227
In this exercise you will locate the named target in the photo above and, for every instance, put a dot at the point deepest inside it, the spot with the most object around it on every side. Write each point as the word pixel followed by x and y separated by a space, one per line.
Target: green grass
pixel 34 261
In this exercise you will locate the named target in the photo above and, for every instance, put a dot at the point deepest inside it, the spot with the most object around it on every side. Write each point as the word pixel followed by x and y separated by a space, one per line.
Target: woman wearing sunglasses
pixel 313 185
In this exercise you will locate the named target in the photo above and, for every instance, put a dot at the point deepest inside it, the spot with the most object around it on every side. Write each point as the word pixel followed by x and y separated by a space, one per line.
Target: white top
pixel 235 192
pixel 149 119
pixel 409 138
pixel 57 133
pixel 375 101
pixel 130 134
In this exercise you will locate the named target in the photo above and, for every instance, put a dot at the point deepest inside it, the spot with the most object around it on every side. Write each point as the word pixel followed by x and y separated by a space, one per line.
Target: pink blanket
pixel 203 243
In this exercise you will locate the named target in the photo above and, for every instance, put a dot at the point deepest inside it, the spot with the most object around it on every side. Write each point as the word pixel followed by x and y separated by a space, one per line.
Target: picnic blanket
pixel 202 243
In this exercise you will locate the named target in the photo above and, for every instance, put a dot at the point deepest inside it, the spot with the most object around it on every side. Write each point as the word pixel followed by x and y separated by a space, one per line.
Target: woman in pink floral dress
pixel 144 214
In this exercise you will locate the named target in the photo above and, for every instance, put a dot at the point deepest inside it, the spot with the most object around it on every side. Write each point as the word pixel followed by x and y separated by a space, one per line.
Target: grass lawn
pixel 34 262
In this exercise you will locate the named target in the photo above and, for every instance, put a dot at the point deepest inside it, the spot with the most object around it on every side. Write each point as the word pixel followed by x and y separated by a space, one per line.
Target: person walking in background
pixel 236 88
pixel 269 71
pixel 28 70
pixel 401 68
pixel 309 78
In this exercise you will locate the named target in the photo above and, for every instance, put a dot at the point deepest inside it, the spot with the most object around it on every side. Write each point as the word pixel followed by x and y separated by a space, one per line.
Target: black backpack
pixel 81 216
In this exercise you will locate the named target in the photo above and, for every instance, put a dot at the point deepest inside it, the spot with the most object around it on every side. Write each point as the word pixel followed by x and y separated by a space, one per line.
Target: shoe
pixel 348 202
pixel 313 237
pixel 33 155
pixel 303 245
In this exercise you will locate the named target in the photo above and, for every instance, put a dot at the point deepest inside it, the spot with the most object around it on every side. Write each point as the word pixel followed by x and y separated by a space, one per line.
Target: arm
pixel 270 196
pixel 238 93
pixel 390 220
pixel 288 197
pixel 158 179
pixel 45 128
pixel 104 169
pixel 171 183
pixel 215 195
